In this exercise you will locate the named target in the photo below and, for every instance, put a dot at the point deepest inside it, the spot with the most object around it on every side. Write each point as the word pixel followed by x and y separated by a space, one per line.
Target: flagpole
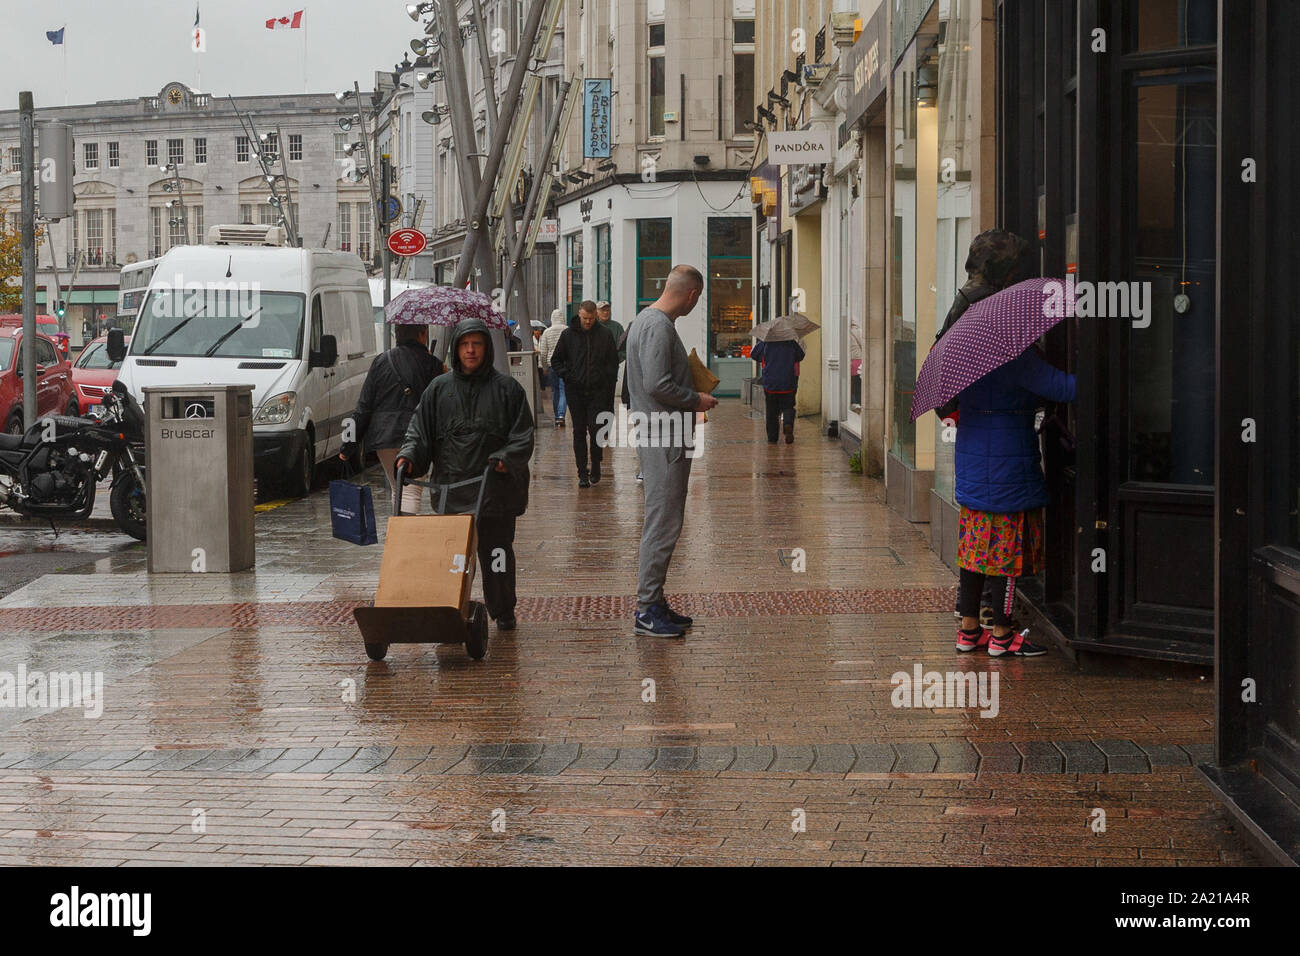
pixel 304 58
pixel 64 44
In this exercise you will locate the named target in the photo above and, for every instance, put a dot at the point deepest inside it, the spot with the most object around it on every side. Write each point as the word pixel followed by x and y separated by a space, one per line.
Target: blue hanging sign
pixel 596 102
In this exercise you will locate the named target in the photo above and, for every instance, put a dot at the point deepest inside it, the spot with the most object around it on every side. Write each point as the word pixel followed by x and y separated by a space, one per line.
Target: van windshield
pixel 222 324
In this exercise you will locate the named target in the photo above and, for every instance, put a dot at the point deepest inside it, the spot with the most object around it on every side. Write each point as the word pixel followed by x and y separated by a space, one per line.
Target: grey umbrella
pixel 785 328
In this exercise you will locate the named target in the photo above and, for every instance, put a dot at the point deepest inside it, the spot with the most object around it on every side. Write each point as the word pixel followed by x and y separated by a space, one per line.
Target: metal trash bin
pixel 199 449
pixel 523 369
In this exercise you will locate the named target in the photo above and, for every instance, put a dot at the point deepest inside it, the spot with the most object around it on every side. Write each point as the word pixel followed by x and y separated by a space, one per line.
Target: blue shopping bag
pixel 352 512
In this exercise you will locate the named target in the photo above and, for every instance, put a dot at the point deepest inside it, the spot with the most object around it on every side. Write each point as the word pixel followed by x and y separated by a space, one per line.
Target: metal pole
pixel 371 148
pixel 477 221
pixel 26 134
pixel 281 147
pixel 387 180
pixel 540 181
pixel 462 123
pixel 489 80
pixel 54 267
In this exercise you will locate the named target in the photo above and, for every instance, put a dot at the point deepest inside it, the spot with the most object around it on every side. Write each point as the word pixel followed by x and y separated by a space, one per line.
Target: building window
pixel 742 31
pixel 344 227
pixel 15 158
pixel 657 79
pixel 176 152
pixel 241 149
pixel 729 285
pixel 94 237
pixel 573 272
pixel 112 156
pixel 340 143
pixel 90 155
pixel 295 147
pixel 742 102
pixel 270 146
pixel 151 152
pixel 155 232
pixel 200 150
pixel 364 231
pixel 602 263
pixel 654 258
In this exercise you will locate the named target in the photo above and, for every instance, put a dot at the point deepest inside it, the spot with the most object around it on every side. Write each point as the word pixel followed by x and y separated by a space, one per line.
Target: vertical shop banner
pixel 595 119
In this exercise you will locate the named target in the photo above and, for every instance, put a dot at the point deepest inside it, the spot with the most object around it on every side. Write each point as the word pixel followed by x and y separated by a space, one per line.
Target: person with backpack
pixel 389 397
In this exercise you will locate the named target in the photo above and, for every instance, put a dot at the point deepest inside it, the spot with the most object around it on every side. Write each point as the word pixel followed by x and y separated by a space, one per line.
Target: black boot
pixel 595 472
pixel 583 481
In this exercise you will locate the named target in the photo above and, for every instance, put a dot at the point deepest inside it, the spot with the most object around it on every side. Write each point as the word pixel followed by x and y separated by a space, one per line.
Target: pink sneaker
pixel 971 640
pixel 1016 643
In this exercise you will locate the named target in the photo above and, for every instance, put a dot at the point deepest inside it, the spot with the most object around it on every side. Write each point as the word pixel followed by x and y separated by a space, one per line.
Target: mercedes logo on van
pixel 196 411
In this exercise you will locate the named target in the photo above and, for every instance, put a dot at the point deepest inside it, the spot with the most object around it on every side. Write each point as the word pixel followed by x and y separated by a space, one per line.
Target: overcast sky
pixel 121 49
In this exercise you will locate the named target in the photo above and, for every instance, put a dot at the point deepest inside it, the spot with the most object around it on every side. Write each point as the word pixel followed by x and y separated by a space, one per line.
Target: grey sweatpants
pixel 666 472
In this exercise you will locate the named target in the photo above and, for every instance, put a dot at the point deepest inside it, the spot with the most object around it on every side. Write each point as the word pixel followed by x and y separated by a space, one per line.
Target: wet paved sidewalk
pixel 249 698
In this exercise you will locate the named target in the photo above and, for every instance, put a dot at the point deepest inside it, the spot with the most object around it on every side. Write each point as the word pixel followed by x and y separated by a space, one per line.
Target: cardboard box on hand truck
pixel 424 581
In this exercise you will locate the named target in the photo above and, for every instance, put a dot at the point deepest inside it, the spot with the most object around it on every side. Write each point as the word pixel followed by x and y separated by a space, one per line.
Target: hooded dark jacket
pixel 465 420
pixel 990 266
pixel 587 360
pixel 393 386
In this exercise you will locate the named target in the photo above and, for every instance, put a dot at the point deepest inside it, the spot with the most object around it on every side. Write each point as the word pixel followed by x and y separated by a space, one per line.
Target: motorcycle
pixel 53 469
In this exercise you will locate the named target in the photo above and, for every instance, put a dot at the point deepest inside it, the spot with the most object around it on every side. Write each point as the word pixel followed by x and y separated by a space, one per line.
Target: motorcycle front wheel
pixel 127 504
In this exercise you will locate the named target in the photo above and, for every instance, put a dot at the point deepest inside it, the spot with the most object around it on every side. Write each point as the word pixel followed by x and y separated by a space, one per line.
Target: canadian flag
pixel 285 23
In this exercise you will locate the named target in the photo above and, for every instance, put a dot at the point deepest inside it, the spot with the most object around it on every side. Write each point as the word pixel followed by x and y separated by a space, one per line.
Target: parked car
pixel 54 391
pixel 94 372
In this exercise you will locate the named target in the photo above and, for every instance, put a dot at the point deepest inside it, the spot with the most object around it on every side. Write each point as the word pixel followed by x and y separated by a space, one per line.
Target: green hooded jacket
pixel 463 421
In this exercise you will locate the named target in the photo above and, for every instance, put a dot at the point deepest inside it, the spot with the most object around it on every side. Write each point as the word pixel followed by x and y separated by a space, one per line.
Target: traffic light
pixel 60 307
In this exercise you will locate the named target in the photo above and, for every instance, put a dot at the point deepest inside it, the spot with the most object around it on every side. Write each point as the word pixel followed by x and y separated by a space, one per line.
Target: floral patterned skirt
pixel 1008 545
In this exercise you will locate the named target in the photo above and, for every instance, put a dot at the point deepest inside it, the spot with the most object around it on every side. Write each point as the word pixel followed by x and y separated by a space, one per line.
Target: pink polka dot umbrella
pixel 442 305
pixel 989 334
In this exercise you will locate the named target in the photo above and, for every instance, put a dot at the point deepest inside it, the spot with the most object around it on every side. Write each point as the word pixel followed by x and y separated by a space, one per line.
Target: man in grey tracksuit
pixel 659 381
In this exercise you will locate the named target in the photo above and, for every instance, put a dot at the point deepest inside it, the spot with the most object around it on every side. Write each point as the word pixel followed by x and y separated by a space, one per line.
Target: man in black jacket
pixel 467 419
pixel 393 386
pixel 586 357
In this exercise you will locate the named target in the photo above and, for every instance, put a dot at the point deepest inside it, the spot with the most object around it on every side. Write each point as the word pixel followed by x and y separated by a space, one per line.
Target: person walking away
pixel 780 364
pixel 1001 490
pixel 389 396
pixel 586 357
pixel 659 381
pixel 467 420
pixel 545 347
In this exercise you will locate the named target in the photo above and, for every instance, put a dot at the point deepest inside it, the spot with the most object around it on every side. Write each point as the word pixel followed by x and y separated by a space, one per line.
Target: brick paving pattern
pixel 249 698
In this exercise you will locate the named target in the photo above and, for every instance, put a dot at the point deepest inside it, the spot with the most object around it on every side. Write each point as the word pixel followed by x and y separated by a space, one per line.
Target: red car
pixel 94 372
pixel 54 392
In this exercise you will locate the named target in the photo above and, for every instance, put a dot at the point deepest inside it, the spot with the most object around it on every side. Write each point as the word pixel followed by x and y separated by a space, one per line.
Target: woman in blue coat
pixel 1001 490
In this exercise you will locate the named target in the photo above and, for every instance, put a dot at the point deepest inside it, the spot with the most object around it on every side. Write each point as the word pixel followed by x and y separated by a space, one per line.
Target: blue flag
pixel 55 36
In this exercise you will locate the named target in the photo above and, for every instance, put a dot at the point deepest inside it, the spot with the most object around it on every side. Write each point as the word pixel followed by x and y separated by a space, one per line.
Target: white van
pixel 294 323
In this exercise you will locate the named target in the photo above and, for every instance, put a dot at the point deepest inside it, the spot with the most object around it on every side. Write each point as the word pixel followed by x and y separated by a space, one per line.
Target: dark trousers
pixel 971 585
pixel 779 406
pixel 584 410
pixel 498 586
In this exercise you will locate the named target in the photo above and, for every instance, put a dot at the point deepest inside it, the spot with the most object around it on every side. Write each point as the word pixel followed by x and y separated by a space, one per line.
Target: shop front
pixel 1172 529
pixel 855 389
pixel 619 242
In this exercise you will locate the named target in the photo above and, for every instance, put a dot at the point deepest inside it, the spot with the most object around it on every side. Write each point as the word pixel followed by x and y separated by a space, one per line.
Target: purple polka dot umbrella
pixel 989 334
pixel 442 305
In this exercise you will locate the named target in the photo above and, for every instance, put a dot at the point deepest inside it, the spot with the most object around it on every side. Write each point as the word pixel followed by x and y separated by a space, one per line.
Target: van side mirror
pixel 116 345
pixel 328 355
